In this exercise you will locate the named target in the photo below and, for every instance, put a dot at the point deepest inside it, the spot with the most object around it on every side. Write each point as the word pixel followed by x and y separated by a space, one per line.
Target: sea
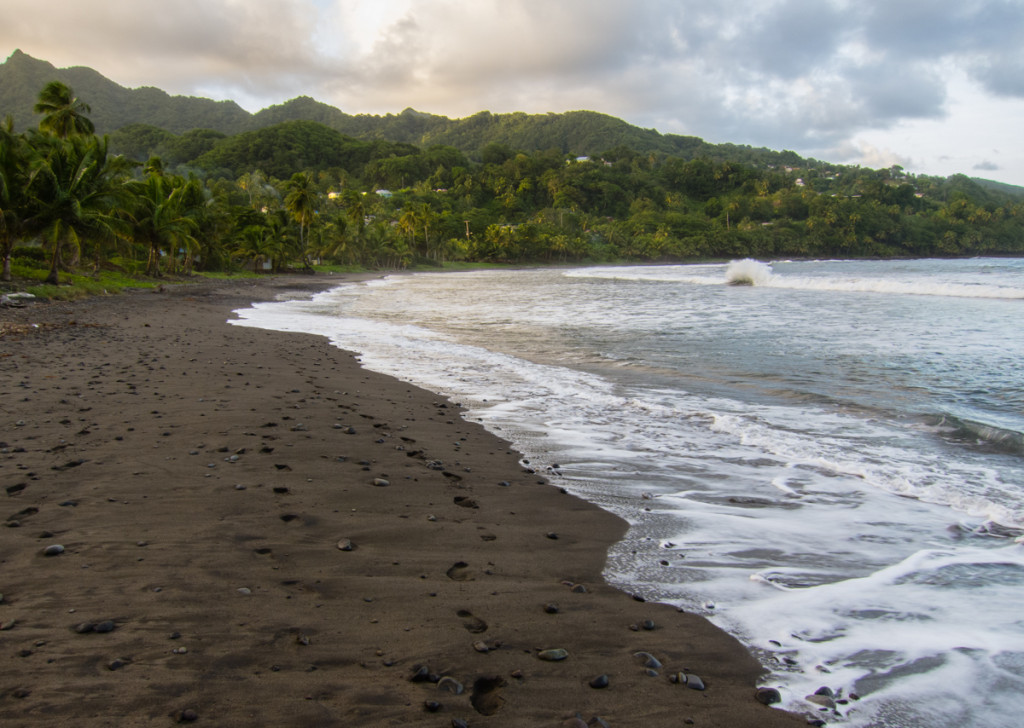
pixel 825 458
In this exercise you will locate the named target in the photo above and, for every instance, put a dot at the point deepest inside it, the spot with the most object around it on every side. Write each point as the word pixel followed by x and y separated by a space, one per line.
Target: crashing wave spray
pixel 748 272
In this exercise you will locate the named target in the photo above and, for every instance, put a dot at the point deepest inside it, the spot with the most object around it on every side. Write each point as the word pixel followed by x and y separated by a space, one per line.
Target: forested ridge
pixel 299 193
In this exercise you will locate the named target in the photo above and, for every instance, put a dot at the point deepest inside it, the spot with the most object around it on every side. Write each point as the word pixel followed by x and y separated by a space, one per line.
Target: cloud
pixel 987 166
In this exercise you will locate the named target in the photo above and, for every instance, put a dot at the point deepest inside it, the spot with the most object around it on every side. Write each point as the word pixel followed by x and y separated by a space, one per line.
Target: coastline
pixel 201 477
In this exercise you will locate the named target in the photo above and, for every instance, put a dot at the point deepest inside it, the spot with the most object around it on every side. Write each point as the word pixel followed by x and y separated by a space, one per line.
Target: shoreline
pixel 203 480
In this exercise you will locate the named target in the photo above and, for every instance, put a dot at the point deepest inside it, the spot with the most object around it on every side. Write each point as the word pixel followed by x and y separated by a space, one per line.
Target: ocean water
pixel 827 462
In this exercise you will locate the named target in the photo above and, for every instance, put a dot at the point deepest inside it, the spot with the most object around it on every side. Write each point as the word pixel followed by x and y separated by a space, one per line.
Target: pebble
pixel 431 706
pixel 648 660
pixel 601 681
pixel 188 716
pixel 551 608
pixel 105 626
pixel 768 696
pixel 381 482
pixel 118 663
pixel 244 591
pixel 53 550
pixel 553 655
pixel 346 544
pixel 451 685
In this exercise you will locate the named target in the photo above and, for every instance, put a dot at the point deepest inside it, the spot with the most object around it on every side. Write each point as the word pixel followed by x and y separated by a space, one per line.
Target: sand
pixel 201 477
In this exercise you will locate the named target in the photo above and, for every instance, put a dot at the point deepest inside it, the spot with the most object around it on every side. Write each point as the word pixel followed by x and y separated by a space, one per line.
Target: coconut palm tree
pixel 75 192
pixel 63 113
pixel 161 220
pixel 13 173
pixel 301 200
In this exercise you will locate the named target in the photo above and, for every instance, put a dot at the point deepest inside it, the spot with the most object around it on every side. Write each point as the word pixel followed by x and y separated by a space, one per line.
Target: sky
pixel 935 86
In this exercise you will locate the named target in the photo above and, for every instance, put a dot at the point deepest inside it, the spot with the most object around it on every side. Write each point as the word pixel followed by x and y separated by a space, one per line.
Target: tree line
pixel 298 194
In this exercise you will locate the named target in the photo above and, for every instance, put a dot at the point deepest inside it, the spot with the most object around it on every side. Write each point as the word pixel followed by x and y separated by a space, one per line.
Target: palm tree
pixel 160 219
pixel 63 113
pixel 13 174
pixel 75 192
pixel 301 202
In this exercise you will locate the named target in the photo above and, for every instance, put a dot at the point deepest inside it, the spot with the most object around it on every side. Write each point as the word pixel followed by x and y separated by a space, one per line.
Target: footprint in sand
pixel 471 622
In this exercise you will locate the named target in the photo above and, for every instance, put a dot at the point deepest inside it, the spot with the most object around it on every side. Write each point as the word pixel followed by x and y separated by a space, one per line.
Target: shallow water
pixel 829 462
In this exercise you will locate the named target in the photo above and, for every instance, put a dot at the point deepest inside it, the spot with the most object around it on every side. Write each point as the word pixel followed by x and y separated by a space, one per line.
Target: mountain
pixel 113 106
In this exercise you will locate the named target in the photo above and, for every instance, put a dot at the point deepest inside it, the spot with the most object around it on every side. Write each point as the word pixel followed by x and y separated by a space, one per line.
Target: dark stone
pixel 601 681
pixel 768 696
pixel 551 608
pixel 188 716
pixel 105 626
pixel 431 706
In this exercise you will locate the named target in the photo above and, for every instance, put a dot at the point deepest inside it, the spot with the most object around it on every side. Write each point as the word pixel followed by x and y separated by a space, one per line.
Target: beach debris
pixel 556 654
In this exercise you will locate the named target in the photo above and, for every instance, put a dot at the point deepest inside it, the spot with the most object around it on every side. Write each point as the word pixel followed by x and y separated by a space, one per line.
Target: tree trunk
pixel 6 275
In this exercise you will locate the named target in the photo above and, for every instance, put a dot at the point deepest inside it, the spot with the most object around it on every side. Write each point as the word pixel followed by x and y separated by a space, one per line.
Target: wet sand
pixel 258 532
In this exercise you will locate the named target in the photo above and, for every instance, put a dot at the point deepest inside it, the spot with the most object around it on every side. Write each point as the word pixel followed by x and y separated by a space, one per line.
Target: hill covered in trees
pixel 578 133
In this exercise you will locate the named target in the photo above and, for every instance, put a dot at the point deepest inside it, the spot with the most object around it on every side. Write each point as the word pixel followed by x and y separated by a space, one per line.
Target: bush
pixel 30 253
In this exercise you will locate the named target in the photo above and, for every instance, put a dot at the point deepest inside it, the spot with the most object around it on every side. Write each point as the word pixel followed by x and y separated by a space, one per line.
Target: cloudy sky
pixel 936 86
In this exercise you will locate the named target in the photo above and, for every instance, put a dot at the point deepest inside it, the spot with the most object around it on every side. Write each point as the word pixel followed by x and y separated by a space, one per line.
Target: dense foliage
pixel 298 193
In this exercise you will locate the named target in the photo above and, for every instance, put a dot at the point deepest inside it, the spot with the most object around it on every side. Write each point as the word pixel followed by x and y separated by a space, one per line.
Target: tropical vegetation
pixel 299 194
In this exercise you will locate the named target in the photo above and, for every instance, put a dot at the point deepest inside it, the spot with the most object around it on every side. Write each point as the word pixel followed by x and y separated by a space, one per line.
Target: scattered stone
pixel 601 681
pixel 825 701
pixel 648 624
pixel 420 673
pixel 552 535
pixel 551 608
pixel 84 627
pixel 768 696
pixel 118 663
pixel 346 544
pixel 481 647
pixel 303 640
pixel 188 716
pixel 431 706
pixel 105 626
pixel 693 682
pixel 179 651
pixel 244 591
pixel 381 482
pixel 465 501
pixel 578 589
pixel 648 660
pixel 53 550
pixel 451 685
pixel 553 655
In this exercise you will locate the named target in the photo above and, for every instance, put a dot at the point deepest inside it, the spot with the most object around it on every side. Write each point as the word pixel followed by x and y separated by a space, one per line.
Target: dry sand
pixel 200 478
